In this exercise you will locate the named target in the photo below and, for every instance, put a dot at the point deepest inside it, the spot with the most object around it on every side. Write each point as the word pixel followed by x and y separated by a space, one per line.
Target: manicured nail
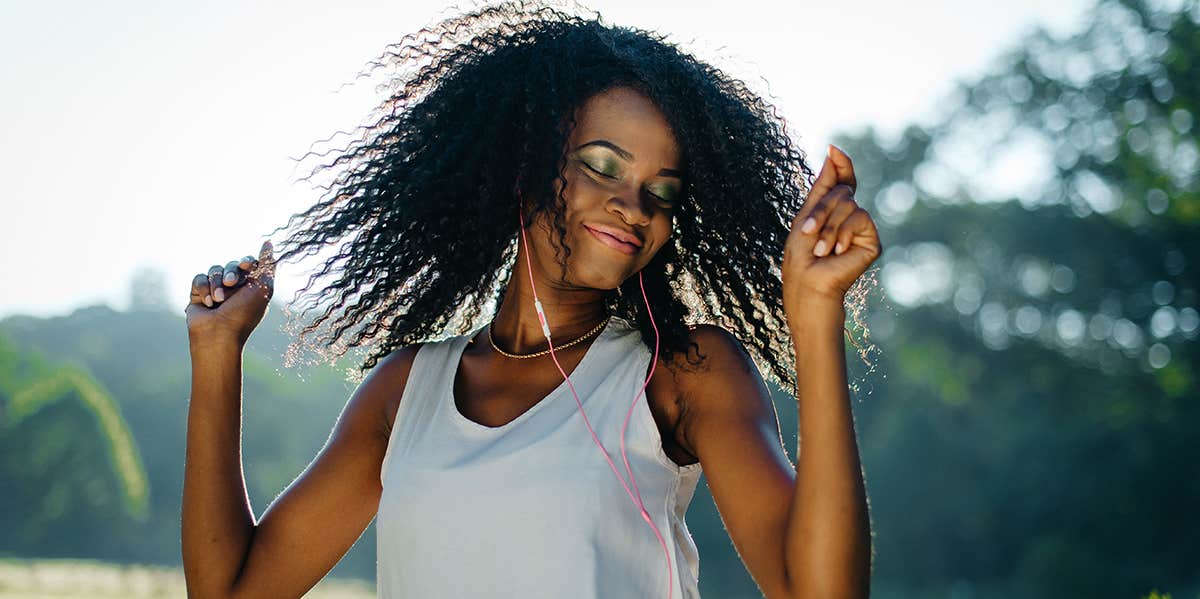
pixel 819 250
pixel 809 225
pixel 218 294
pixel 837 249
pixel 230 278
pixel 208 301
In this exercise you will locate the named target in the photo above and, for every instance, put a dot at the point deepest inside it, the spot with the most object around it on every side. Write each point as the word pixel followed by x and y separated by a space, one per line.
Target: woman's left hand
pixel 832 240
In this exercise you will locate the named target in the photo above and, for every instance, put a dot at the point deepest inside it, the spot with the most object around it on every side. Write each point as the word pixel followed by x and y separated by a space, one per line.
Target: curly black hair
pixel 479 113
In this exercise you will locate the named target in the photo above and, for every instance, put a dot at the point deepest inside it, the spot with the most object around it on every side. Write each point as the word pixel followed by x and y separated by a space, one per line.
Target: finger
pixel 266 260
pixel 232 275
pixel 247 263
pixel 815 218
pixel 825 181
pixel 841 210
pixel 215 273
pixel 845 167
pixel 264 284
pixel 865 246
pixel 200 289
pixel 845 235
pixel 828 237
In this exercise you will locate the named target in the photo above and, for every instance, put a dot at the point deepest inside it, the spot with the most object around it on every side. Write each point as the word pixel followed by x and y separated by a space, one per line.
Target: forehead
pixel 629 119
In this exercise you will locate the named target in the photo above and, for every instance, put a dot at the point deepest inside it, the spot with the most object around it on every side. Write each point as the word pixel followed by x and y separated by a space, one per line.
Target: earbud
pixel 634 495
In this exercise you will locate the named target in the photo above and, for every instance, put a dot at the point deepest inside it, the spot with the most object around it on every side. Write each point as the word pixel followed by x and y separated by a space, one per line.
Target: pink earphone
pixel 635 495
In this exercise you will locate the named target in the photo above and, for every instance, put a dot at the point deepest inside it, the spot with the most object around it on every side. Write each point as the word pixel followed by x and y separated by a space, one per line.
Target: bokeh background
pixel 1026 415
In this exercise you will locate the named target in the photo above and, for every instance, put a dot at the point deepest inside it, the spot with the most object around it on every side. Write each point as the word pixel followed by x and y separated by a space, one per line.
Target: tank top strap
pixel 418 407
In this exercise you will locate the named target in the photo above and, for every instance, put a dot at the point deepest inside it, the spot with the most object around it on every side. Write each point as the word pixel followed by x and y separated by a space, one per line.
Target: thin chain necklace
pixel 547 350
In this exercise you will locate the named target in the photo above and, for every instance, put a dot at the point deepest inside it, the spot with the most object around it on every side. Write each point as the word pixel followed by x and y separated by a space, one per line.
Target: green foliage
pixel 64 450
pixel 70 383
pixel 1036 424
pixel 139 358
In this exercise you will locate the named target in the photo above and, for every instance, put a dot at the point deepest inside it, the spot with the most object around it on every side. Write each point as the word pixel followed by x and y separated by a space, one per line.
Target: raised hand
pixel 229 301
pixel 832 239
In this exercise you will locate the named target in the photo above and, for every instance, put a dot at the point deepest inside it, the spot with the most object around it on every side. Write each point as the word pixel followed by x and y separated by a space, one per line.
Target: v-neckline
pixel 562 388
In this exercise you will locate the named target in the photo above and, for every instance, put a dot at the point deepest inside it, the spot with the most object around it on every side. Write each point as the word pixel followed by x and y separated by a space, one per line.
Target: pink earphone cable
pixel 635 495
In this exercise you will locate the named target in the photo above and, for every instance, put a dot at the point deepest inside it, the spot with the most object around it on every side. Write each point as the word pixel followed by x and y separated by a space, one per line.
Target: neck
pixel 570 311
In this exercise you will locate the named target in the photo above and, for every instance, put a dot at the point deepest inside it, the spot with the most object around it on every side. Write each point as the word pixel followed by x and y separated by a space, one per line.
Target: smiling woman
pixel 646 199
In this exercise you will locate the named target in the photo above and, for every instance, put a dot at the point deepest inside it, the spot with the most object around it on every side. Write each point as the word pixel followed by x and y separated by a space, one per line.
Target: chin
pixel 602 283
pixel 598 277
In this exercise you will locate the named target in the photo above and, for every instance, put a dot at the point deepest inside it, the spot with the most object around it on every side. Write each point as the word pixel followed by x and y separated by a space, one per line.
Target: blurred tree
pixel 141 358
pixel 1035 436
pixel 148 290
pixel 66 455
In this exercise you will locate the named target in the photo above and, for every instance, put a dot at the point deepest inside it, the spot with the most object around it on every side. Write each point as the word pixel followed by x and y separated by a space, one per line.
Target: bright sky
pixel 161 134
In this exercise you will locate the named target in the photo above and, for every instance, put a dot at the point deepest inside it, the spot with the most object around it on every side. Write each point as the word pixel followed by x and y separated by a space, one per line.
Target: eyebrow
pixel 627 155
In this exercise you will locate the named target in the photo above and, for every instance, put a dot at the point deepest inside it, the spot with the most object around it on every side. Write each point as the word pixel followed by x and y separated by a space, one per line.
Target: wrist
pixel 214 341
pixel 818 310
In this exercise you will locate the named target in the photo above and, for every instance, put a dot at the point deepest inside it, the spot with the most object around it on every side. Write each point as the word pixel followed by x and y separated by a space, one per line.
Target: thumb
pixel 266 254
pixel 266 261
pixel 827 177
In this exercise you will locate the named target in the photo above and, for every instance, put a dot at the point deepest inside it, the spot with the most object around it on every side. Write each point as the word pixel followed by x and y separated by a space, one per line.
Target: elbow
pixel 857 591
pixel 211 590
pixel 829 593
pixel 193 592
pixel 813 588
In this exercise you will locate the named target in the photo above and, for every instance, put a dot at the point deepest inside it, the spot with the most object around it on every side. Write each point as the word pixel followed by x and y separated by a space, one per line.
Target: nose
pixel 629 204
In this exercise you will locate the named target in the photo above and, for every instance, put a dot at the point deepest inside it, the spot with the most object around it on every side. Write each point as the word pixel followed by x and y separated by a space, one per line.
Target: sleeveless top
pixel 531 509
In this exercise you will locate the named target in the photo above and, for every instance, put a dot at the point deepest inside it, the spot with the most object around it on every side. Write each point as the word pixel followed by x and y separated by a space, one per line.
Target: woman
pixel 543 160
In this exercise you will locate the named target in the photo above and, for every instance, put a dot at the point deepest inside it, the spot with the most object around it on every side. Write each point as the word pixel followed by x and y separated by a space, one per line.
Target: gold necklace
pixel 546 351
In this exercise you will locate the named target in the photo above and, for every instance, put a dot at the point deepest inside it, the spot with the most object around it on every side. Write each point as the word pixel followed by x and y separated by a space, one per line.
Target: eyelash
pixel 606 176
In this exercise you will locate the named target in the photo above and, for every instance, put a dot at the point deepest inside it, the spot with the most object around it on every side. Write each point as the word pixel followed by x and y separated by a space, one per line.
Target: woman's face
pixel 623 175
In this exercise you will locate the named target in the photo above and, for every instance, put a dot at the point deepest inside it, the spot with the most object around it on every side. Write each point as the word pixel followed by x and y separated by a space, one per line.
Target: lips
pixel 620 234
pixel 612 241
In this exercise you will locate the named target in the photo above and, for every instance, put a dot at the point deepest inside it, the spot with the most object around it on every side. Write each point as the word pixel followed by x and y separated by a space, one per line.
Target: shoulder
pixel 717 350
pixel 716 376
pixel 387 381
pixel 364 423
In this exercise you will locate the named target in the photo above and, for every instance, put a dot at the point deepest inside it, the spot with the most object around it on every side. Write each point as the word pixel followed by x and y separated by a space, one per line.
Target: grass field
pixel 81 579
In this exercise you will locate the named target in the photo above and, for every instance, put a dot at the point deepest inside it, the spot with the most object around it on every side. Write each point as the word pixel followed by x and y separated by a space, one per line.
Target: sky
pixel 163 135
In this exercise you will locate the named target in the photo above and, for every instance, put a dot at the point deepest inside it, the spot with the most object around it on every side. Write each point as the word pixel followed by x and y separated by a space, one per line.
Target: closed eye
pixel 661 199
pixel 594 170
pixel 608 176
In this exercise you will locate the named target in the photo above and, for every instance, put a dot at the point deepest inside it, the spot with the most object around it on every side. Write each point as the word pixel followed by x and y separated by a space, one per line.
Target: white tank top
pixel 531 509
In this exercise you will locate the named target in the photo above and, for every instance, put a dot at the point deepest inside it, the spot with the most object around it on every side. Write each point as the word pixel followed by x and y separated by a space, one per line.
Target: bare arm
pixel 217 521
pixel 312 524
pixel 832 242
pixel 828 537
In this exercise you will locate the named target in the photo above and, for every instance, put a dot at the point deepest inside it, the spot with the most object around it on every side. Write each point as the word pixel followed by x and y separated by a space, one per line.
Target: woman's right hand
pixel 229 301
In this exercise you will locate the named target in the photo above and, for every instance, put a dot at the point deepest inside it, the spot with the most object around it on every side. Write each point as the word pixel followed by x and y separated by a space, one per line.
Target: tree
pixel 1034 435
pixel 148 290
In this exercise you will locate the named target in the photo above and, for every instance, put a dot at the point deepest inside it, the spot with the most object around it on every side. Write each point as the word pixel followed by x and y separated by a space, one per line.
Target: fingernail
pixel 208 301
pixel 819 250
pixel 837 249
pixel 218 294
pixel 809 225
pixel 230 278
